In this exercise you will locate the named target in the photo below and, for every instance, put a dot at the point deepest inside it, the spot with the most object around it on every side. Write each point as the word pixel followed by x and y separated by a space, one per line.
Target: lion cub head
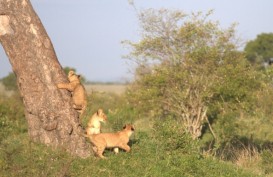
pixel 129 129
pixel 94 123
pixel 73 77
pixel 101 116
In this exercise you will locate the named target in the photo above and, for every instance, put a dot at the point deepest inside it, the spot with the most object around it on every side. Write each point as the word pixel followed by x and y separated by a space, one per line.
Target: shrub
pixel 191 69
pixel 12 120
pixel 10 82
pixel 174 139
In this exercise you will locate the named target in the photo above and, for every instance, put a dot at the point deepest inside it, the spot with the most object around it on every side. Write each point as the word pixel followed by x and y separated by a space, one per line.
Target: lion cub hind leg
pixel 125 147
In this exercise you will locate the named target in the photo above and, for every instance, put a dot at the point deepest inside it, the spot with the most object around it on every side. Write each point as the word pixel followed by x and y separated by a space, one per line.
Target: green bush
pixel 174 138
pixel 260 49
pixel 10 82
pixel 12 119
pixel 190 68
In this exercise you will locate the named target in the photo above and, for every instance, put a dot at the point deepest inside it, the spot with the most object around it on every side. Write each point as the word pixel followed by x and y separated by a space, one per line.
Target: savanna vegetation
pixel 200 108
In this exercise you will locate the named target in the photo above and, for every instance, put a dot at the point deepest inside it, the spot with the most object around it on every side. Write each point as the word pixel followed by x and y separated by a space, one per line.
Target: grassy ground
pixel 21 157
pixel 157 149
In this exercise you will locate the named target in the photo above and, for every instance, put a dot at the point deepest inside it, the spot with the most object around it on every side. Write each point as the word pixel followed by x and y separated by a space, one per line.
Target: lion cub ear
pixel 99 112
pixel 71 72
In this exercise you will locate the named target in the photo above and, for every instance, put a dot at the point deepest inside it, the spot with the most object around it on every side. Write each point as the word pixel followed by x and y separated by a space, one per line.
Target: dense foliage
pixel 190 69
pixel 260 49
pixel 10 82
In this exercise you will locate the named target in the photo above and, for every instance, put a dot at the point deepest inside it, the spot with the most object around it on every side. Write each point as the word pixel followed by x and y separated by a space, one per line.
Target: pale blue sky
pixel 87 34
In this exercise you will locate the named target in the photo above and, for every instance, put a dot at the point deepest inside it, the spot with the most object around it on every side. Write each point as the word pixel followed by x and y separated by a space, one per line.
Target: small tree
pixel 188 68
pixel 260 49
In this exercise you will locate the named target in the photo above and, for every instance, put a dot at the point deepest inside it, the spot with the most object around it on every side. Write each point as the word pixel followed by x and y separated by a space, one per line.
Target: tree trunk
pixel 48 110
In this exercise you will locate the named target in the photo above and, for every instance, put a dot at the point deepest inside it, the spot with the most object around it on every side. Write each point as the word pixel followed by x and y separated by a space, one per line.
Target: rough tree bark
pixel 48 110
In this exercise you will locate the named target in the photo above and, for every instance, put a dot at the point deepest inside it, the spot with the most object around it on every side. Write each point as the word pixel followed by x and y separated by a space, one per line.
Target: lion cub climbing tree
pixel 78 91
pixel 51 118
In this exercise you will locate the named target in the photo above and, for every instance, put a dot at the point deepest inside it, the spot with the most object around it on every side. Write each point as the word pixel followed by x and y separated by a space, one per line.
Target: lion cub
pixel 111 140
pixel 93 126
pixel 79 96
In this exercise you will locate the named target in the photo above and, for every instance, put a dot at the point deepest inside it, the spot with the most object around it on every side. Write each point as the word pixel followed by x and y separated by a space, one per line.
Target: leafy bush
pixel 191 69
pixel 10 82
pixel 174 139
pixel 12 120
pixel 260 49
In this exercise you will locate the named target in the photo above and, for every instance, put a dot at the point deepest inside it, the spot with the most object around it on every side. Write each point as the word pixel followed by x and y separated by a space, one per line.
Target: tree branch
pixel 211 130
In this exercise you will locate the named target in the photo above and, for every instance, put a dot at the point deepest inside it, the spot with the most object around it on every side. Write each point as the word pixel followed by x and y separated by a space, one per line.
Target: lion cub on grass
pixel 111 140
pixel 94 126
pixel 79 96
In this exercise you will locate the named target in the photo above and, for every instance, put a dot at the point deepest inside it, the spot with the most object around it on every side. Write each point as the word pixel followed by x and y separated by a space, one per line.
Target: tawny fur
pixel 111 140
pixel 94 123
pixel 79 95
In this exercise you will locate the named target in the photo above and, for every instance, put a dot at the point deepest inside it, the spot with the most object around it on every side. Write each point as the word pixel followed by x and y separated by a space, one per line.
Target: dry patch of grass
pixel 106 88
pixel 3 91
pixel 249 158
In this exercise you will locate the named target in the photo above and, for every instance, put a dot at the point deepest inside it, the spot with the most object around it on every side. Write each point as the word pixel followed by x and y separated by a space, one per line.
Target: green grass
pixel 159 148
pixel 21 157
